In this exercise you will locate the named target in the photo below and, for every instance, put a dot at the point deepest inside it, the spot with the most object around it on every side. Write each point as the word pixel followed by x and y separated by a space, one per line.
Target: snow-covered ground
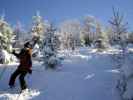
pixel 84 75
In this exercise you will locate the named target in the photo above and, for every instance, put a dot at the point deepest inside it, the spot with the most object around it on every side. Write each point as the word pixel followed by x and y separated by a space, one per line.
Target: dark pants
pixel 21 75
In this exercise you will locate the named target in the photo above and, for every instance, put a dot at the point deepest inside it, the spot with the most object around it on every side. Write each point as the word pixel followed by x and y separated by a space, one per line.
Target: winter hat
pixel 27 45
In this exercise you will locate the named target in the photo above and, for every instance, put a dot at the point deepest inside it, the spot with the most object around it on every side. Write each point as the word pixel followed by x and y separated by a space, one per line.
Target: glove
pixel 30 71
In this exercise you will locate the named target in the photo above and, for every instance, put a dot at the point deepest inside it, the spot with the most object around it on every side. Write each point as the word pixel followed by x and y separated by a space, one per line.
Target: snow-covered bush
pixel 5 57
pixel 100 44
pixel 53 61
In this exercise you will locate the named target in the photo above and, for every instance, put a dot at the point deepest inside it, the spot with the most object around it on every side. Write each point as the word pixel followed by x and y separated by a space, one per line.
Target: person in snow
pixel 24 67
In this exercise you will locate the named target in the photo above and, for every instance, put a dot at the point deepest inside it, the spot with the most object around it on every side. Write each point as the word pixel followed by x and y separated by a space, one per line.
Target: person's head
pixel 27 45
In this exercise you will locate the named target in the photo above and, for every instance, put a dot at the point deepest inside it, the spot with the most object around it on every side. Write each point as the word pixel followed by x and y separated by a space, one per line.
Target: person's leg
pixel 22 81
pixel 13 78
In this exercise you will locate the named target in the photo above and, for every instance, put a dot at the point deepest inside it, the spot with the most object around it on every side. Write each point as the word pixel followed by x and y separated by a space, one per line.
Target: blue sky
pixel 60 10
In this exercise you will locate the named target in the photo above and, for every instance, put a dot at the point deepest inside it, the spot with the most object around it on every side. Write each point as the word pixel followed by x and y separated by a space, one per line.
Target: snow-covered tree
pixel 70 34
pixel 119 28
pixel 39 28
pixel 102 37
pixel 119 31
pixel 18 31
pixel 89 30
pixel 50 48
pixel 19 35
pixel 92 32
pixel 6 35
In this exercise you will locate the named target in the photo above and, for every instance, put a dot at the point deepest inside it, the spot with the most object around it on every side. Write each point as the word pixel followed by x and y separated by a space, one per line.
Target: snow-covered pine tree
pixel 102 39
pixel 19 35
pixel 38 28
pixel 18 31
pixel 6 36
pixel 50 43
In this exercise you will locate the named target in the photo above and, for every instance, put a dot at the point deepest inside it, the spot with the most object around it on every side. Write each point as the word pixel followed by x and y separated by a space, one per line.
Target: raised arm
pixel 18 55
